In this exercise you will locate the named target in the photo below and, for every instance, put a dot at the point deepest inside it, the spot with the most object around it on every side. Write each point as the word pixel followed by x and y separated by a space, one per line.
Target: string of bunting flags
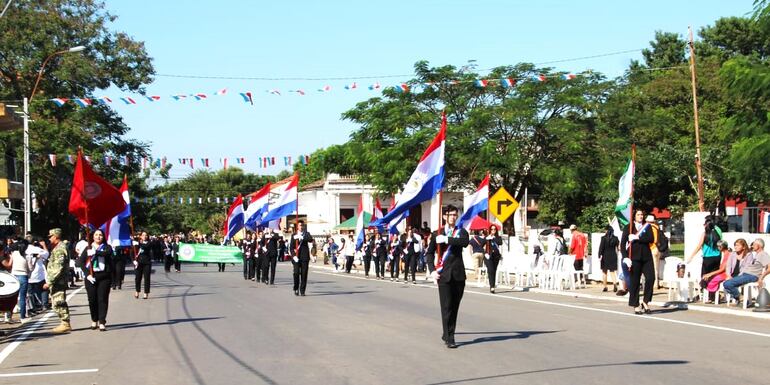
pixel 181 200
pixel 248 96
pixel 149 162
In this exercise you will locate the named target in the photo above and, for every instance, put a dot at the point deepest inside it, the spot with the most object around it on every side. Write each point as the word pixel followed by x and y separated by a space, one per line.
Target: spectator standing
pixel 608 258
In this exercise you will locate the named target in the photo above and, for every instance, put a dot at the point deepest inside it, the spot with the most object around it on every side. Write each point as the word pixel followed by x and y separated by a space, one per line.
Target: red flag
pixel 93 200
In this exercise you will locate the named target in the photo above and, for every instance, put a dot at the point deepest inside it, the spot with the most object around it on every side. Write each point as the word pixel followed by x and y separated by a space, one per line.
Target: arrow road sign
pixel 502 205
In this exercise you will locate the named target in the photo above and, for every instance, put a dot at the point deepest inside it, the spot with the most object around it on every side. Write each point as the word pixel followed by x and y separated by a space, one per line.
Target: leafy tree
pixel 34 29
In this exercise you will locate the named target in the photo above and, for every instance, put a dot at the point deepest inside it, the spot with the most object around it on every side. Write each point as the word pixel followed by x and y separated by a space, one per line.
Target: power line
pixel 285 78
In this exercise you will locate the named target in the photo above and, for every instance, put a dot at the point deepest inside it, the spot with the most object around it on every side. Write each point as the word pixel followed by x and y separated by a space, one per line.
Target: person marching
pixel 56 280
pixel 168 251
pixel 175 254
pixel 349 248
pixel 492 256
pixel 259 254
pixel 637 241
pixel 451 276
pixel 396 250
pixel 301 242
pixel 380 255
pixel 368 252
pixel 96 262
pixel 143 265
pixel 248 255
pixel 271 262
pixel 413 242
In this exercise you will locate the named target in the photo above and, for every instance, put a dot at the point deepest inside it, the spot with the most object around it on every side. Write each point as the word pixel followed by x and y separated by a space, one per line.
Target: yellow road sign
pixel 502 205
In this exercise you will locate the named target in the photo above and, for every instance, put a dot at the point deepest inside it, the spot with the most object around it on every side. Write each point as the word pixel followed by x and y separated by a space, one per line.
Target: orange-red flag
pixel 93 200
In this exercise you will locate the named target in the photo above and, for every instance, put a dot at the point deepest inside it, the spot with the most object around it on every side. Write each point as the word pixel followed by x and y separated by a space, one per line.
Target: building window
pixel 346 214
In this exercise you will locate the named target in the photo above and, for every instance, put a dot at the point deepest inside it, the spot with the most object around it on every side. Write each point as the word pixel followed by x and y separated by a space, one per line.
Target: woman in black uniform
pixel 96 262
pixel 143 265
pixel 492 256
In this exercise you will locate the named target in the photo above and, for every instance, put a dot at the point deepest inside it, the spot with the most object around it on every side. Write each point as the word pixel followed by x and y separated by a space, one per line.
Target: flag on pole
pixel 258 206
pixel 286 204
pixel 475 204
pixel 93 200
pixel 117 230
pixel 377 214
pixel 625 198
pixel 426 180
pixel 59 101
pixel 247 97
pixel 393 224
pixel 360 225
pixel 234 220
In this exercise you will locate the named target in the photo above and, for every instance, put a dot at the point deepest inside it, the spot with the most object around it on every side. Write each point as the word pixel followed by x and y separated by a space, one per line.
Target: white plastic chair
pixel 750 291
pixel 481 276
pixel 673 282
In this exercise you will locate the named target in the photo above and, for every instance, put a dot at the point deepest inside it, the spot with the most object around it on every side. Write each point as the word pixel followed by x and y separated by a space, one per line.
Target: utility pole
pixel 27 187
pixel 701 206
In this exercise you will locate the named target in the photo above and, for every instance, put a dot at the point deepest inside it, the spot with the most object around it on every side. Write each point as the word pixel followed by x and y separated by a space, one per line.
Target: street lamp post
pixel 27 101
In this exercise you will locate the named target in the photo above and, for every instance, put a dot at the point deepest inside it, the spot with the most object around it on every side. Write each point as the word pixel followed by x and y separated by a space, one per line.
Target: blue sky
pixel 328 39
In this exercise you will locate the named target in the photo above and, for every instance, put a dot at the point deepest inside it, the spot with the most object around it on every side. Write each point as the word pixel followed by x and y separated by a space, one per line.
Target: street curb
pixel 705 309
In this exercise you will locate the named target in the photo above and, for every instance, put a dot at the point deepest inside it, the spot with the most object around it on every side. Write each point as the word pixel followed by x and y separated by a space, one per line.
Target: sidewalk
pixel 591 291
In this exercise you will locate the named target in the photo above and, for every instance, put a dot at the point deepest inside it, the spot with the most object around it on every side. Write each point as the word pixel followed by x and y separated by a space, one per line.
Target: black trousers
pixel 379 266
pixel 270 265
pixel 410 265
pixel 349 262
pixel 450 294
pixel 258 268
pixel 491 265
pixel 639 268
pixel 394 265
pixel 98 294
pixel 143 270
pixel 169 260
pixel 300 275
pixel 220 267
pixel 429 261
pixel 118 273
pixel 177 264
pixel 246 268
pixel 367 264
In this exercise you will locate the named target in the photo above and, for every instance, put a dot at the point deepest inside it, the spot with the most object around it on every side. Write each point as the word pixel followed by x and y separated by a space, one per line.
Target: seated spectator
pixel 754 267
pixel 710 281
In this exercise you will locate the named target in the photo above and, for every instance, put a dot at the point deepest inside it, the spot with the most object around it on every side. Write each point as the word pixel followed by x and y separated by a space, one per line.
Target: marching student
pixel 143 265
pixel 368 251
pixel 350 253
pixel 271 257
pixel 259 245
pixel 96 262
pixel 413 246
pixel 175 254
pixel 247 245
pixel 396 251
pixel 301 243
pixel 451 279
pixel 636 241
pixel 492 256
pixel 380 255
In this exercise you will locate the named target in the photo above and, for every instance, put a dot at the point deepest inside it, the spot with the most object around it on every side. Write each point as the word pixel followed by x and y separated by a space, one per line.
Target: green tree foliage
pixel 204 216
pixel 34 29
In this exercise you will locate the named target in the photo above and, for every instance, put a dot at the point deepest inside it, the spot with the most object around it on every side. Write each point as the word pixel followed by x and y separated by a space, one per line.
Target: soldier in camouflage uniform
pixel 56 280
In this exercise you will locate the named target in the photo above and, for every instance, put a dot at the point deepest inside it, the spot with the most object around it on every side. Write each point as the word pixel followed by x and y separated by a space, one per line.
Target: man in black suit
pixel 271 241
pixel 301 242
pixel 450 273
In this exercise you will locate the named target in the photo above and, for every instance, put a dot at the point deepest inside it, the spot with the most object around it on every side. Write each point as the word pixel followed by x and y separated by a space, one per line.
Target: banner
pixel 195 252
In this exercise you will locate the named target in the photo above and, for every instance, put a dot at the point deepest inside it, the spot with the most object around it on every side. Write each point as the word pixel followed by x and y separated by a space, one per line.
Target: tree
pixel 34 29
pixel 516 133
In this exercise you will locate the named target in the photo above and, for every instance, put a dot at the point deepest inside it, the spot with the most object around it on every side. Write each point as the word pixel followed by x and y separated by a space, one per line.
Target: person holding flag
pixel 96 262
pixel 637 256
pixel 301 243
pixel 450 273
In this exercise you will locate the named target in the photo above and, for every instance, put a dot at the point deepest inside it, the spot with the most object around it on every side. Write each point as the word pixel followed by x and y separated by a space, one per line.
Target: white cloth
pixel 80 246
pixel 39 257
pixel 20 264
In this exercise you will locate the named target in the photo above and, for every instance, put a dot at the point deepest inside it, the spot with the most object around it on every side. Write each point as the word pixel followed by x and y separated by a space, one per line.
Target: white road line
pixel 31 329
pixel 615 312
pixel 48 373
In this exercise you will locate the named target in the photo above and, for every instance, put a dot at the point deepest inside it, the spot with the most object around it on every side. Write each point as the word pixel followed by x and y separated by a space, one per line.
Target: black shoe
pixel 296 292
pixel 443 338
pixel 604 290
pixel 302 294
pixel 621 293
pixel 451 344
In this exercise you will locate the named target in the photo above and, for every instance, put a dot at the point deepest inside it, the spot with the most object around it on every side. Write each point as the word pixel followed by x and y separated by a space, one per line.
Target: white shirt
pixel 38 274
pixel 20 264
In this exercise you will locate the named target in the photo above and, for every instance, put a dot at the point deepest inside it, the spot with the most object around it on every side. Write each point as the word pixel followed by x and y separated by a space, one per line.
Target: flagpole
pixel 631 212
pixel 701 206
pixel 486 244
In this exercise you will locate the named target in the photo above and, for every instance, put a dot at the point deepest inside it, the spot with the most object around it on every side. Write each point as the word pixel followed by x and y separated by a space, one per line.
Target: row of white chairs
pixel 551 272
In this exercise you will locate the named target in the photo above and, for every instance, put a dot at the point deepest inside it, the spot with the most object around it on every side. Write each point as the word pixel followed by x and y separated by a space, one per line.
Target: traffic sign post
pixel 502 205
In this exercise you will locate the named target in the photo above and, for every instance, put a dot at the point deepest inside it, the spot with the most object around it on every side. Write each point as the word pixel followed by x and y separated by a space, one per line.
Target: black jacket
pixel 640 250
pixel 272 245
pixel 382 248
pixel 454 267
pixel 301 244
pixel 144 252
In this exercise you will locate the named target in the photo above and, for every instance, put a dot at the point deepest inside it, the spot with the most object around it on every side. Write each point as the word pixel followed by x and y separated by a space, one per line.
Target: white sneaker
pixel 24 320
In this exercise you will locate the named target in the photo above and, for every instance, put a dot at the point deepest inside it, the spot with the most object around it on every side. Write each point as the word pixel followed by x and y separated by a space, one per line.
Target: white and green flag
pixel 625 199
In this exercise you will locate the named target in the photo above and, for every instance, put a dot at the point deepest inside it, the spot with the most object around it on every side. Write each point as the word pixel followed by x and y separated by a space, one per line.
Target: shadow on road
pixel 576 367
pixel 318 294
pixel 503 336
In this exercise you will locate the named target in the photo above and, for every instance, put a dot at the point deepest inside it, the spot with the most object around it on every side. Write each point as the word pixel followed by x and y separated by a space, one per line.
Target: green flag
pixel 625 198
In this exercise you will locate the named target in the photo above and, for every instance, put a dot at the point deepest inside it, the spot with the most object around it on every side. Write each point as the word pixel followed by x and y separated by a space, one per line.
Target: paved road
pixel 204 327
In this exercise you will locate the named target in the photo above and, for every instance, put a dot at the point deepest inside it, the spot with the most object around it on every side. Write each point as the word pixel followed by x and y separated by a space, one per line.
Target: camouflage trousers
pixel 59 304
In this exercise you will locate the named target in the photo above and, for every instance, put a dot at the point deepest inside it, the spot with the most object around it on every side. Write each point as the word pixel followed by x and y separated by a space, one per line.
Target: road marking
pixel 31 329
pixel 580 307
pixel 49 373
